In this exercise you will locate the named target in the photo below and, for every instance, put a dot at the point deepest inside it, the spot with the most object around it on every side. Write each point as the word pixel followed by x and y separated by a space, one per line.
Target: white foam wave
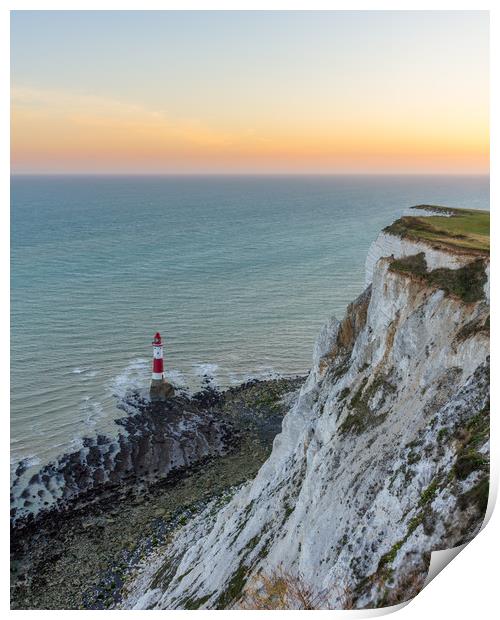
pixel 75 445
pixel 87 372
pixel 261 373
pixel 176 378
pixel 92 410
pixel 267 372
pixel 206 371
pixel 28 461
pixel 135 375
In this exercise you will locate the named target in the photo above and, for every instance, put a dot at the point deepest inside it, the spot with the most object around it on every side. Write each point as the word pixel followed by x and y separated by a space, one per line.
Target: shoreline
pixel 77 555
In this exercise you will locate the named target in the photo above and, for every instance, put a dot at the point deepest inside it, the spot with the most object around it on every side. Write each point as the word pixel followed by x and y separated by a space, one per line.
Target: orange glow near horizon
pixel 363 103
pixel 108 136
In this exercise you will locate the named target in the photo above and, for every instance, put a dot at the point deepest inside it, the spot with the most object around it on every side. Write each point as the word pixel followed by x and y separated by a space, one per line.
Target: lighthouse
pixel 160 388
pixel 157 374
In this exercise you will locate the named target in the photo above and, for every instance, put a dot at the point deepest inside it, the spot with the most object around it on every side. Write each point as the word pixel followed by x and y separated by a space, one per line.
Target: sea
pixel 238 273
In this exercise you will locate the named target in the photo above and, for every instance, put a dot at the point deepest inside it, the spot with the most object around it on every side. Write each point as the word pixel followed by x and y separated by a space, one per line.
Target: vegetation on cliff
pixel 466 229
pixel 467 283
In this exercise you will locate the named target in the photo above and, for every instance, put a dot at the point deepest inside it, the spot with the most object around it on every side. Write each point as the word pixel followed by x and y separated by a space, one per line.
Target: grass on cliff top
pixel 467 229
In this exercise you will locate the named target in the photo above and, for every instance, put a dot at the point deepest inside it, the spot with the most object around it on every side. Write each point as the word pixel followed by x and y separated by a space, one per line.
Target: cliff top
pixel 466 229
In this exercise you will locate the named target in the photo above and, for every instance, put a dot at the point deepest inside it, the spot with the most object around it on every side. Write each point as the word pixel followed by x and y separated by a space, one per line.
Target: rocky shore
pixel 83 522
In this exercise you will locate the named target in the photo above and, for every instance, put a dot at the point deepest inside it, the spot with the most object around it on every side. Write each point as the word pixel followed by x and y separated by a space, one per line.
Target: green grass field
pixel 468 229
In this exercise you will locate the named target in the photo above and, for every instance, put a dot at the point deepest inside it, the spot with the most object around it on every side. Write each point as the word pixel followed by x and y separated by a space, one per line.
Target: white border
pixel 467 588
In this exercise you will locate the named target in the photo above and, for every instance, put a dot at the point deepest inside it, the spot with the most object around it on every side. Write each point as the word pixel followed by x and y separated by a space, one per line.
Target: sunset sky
pixel 249 92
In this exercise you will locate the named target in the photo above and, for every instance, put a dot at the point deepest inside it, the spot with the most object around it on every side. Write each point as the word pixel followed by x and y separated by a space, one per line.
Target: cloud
pixel 106 116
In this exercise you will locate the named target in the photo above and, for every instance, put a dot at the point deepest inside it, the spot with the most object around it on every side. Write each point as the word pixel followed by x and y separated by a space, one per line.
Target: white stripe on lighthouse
pixel 157 375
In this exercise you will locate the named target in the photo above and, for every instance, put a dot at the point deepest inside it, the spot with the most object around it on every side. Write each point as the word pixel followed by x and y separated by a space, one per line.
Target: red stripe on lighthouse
pixel 158 365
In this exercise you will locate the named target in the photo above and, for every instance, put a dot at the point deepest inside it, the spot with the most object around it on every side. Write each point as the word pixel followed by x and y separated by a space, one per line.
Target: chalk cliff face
pixel 391 245
pixel 382 458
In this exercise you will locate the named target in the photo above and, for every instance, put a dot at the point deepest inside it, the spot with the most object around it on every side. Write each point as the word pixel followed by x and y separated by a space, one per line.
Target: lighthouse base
pixel 161 389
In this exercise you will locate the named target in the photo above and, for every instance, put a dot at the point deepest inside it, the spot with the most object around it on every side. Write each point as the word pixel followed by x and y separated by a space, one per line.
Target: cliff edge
pixel 383 458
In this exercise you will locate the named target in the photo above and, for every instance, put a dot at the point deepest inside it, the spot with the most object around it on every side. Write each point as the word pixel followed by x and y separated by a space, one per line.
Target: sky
pixel 225 92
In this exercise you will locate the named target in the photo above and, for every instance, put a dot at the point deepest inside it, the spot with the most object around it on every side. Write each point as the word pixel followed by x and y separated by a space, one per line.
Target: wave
pixel 176 378
pixel 135 376
pixel 28 461
pixel 86 372
pixel 92 410
pixel 260 373
pixel 207 372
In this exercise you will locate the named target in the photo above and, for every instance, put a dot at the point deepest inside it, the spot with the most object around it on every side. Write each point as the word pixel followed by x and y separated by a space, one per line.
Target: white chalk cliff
pixel 383 458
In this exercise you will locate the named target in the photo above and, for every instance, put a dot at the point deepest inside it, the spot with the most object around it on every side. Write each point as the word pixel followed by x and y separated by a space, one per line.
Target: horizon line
pixel 244 174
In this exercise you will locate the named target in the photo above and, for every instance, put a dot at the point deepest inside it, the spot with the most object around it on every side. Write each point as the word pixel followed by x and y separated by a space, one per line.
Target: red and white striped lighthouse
pixel 160 388
pixel 157 358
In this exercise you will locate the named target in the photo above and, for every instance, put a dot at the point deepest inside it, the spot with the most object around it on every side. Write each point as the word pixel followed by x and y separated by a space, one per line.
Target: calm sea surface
pixel 237 273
